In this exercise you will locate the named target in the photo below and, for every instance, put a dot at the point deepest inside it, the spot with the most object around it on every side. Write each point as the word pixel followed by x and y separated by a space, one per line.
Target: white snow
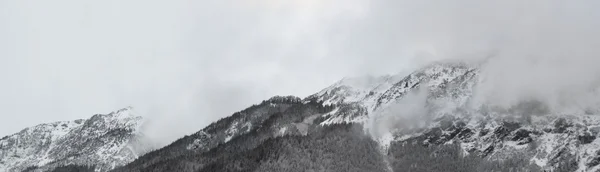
pixel 282 131
pixel 232 131
pixel 38 145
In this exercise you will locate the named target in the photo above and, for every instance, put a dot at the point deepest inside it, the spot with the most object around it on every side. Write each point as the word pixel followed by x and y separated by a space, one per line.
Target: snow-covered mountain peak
pixel 551 140
pixel 437 76
pixel 103 141
pixel 362 82
pixel 354 89
pixel 374 92
pixel 124 111
pixel 123 114
pixel 371 95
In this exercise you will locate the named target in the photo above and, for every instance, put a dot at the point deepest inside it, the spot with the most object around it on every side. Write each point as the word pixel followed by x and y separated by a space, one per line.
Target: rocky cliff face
pixel 103 141
pixel 447 113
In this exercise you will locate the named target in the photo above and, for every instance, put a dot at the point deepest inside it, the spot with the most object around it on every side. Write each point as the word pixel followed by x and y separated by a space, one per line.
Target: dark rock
pixel 521 134
pixel 506 128
pixel 433 136
pixel 488 150
pixel 466 133
pixel 586 138
pixel 484 132
pixel 561 125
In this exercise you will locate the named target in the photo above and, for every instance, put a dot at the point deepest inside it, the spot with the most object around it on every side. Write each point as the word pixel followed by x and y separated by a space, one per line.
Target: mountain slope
pixel 428 120
pixel 103 141
pixel 446 114
pixel 242 131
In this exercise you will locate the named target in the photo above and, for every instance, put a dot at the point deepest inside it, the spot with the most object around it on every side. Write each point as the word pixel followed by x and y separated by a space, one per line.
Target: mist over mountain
pixel 429 120
pixel 464 85
pixel 90 57
pixel 528 51
pixel 445 116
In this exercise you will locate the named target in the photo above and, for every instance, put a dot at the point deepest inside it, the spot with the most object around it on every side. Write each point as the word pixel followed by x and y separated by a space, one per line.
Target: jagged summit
pixel 126 110
pixel 375 92
pixel 354 89
pixel 102 141
pixel 549 140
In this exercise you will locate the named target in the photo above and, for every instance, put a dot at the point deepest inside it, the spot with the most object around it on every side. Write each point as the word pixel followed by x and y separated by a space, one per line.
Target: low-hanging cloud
pixel 184 64
pixel 410 112
pixel 528 50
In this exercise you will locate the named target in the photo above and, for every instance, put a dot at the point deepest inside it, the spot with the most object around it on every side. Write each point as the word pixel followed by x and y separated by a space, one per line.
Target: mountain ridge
pixel 103 141
pixel 431 107
pixel 400 122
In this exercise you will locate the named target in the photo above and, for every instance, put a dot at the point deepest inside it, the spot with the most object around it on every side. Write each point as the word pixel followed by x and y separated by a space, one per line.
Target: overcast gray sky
pixel 186 63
